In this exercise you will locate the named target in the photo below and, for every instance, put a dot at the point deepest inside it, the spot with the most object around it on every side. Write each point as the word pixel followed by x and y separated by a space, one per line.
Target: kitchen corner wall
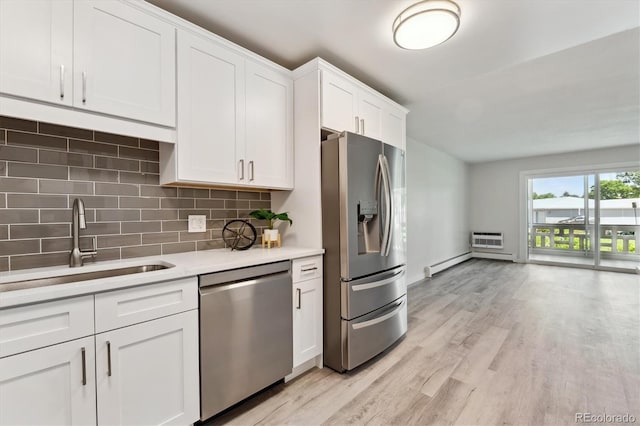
pixel 437 208
pixel 44 167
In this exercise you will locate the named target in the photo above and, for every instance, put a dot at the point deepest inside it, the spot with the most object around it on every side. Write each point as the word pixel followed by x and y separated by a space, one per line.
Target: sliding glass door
pixel 619 229
pixel 587 219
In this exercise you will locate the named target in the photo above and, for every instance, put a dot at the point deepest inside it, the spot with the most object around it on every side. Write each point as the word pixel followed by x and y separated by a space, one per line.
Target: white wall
pixel 437 208
pixel 495 187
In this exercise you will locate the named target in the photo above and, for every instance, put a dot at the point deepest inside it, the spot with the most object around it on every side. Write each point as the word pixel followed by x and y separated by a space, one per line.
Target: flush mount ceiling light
pixel 426 24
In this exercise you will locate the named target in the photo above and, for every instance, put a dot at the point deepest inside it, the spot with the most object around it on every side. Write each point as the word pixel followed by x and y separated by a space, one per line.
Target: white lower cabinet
pixel 307 321
pixel 307 314
pixel 143 369
pixel 148 373
pixel 49 386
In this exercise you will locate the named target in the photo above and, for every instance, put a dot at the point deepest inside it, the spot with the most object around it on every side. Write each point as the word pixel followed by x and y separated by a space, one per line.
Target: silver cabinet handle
pixel 315 268
pixel 299 295
pixel 84 368
pixel 84 87
pixel 108 358
pixel 251 171
pixel 241 169
pixel 61 81
pixel 362 126
pixel 357 125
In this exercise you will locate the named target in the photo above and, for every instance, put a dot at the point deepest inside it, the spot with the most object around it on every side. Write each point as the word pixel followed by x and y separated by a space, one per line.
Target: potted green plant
pixel 271 234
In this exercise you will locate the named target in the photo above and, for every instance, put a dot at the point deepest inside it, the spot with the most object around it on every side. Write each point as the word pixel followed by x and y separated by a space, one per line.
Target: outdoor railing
pixel 574 238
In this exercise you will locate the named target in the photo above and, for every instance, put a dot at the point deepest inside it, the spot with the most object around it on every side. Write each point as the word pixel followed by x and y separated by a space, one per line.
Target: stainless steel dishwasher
pixel 246 333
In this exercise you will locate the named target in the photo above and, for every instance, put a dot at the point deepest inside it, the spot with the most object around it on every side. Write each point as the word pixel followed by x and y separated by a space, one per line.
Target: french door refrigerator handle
pixel 386 188
pixel 380 283
pixel 389 215
pixel 379 319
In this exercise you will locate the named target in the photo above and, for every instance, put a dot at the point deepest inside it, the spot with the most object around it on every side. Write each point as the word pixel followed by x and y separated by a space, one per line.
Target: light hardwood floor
pixel 489 343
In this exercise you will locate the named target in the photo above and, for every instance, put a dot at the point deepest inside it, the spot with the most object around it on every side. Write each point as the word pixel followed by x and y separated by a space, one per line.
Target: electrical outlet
pixel 197 223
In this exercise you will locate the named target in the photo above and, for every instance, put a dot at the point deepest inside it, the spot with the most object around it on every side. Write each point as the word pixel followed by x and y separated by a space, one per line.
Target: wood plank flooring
pixel 489 343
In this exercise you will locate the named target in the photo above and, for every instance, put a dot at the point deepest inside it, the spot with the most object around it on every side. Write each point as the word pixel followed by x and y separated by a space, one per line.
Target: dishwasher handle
pixel 243 274
pixel 217 288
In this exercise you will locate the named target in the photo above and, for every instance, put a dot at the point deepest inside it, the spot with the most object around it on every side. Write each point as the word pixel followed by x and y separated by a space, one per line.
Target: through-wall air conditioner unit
pixel 492 240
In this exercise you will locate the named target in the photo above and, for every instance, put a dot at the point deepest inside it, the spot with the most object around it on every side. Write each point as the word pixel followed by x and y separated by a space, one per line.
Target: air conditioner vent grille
pixel 494 240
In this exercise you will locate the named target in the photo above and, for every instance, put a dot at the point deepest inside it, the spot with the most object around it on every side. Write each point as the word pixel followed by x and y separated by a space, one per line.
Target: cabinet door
pixel 124 62
pixel 339 103
pixel 210 112
pixel 36 49
pixel 50 386
pixel 269 127
pixel 148 373
pixel 307 320
pixel 394 127
pixel 370 112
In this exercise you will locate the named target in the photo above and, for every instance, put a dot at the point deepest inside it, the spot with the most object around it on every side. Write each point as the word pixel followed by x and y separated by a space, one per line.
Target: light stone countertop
pixel 187 264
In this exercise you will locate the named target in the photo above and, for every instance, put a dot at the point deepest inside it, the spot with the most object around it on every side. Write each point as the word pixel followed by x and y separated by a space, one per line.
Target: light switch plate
pixel 197 223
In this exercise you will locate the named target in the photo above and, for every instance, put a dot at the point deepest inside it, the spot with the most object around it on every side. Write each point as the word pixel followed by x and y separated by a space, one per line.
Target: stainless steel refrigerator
pixel 364 236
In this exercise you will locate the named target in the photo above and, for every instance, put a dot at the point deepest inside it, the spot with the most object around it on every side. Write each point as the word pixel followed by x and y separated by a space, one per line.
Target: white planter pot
pixel 271 234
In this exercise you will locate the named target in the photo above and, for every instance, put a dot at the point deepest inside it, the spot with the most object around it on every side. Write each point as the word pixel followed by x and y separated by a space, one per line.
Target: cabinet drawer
pixel 120 308
pixel 29 327
pixel 307 268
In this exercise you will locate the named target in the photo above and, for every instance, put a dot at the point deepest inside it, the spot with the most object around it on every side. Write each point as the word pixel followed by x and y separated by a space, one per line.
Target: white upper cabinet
pixel 339 103
pixel 210 111
pixel 394 126
pixel 124 62
pixel 235 119
pixel 36 49
pixel 269 124
pixel 101 56
pixel 347 105
pixel 370 114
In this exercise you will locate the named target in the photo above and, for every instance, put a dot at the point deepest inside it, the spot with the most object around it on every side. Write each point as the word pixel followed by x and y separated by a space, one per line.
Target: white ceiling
pixel 520 78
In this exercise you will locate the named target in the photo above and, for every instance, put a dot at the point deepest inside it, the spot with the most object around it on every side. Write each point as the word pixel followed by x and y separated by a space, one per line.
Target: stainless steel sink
pixel 82 276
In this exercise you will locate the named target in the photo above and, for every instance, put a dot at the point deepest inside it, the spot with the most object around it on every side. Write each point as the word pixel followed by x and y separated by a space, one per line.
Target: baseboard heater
pixel 445 264
pixel 493 240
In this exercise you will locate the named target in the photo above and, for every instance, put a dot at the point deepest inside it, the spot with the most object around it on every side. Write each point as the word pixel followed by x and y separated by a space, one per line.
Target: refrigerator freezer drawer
pixel 371 334
pixel 365 295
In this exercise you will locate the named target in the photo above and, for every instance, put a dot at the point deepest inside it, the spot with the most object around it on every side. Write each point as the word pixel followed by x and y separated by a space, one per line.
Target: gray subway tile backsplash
pixel 36 140
pixel 37 170
pixel 20 185
pixel 19 216
pixel 65 187
pixel 43 167
pixel 36 201
pixel 18 124
pixel 68 132
pixel 16 153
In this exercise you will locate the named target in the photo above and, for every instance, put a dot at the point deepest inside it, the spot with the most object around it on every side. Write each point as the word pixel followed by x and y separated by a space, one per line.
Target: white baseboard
pixel 446 264
pixel 307 365
pixel 497 256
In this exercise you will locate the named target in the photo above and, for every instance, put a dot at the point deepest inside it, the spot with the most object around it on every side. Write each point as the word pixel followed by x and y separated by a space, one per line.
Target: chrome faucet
pixel 79 222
